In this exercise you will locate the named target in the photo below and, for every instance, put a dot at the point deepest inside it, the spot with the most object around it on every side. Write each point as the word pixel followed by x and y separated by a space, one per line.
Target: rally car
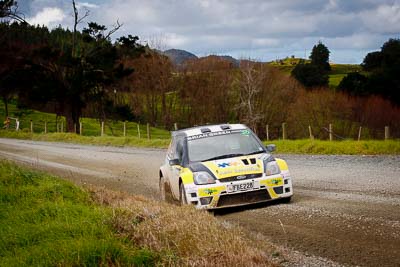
pixel 218 166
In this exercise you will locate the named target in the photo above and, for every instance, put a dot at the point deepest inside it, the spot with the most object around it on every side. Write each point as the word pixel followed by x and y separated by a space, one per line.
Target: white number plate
pixel 240 187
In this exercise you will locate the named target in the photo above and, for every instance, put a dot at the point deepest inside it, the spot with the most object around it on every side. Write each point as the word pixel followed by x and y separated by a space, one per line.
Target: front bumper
pixel 218 195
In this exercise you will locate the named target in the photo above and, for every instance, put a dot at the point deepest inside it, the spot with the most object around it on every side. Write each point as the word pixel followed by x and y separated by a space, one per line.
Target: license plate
pixel 240 187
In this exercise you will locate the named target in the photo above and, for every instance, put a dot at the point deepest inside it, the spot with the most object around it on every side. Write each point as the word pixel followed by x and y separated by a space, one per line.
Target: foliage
pixel 310 75
pixel 70 69
pixel 384 68
pixel 354 84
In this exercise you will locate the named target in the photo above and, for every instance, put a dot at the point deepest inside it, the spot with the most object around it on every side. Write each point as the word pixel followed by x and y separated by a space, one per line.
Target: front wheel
pixel 162 189
pixel 182 195
pixel 286 199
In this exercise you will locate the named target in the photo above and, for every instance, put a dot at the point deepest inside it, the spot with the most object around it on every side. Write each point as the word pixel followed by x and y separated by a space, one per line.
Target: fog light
pixel 205 200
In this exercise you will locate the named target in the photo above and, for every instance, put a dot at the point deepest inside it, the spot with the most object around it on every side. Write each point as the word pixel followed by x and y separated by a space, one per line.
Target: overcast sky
pixel 258 29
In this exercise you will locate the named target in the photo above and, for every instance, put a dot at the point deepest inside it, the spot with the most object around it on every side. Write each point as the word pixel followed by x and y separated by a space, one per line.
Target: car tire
pixel 163 195
pixel 182 195
pixel 286 199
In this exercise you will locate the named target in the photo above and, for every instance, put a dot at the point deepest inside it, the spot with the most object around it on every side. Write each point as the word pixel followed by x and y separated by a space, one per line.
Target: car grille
pixel 235 178
pixel 243 198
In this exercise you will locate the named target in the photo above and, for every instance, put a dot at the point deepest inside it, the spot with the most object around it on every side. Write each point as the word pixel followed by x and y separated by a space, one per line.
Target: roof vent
pixel 205 130
pixel 225 127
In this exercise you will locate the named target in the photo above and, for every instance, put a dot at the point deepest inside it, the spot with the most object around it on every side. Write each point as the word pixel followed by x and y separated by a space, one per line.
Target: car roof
pixel 208 129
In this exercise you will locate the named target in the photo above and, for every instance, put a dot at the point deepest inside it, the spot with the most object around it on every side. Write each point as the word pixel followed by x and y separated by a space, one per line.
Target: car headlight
pixel 203 178
pixel 271 168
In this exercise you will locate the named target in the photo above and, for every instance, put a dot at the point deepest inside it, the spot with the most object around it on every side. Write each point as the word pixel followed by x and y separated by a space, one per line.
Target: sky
pixel 262 30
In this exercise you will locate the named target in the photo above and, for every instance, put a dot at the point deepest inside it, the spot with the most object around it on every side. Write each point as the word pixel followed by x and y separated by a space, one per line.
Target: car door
pixel 175 169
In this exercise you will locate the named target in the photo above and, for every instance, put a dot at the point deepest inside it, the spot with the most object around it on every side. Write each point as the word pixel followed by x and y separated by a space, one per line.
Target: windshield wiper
pixel 255 152
pixel 224 157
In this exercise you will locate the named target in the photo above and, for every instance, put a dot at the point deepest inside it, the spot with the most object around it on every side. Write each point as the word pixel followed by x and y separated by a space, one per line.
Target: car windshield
pixel 223 146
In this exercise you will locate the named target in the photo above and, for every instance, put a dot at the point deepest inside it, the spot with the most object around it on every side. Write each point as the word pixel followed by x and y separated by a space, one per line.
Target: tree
pixel 384 66
pixel 372 61
pixel 72 69
pixel 354 83
pixel 9 9
pixel 320 56
pixel 310 75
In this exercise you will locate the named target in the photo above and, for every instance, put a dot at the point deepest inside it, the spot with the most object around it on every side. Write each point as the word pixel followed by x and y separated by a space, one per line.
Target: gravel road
pixel 345 211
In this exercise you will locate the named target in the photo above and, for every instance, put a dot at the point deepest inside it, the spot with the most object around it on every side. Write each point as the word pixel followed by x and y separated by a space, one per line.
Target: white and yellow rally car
pixel 218 166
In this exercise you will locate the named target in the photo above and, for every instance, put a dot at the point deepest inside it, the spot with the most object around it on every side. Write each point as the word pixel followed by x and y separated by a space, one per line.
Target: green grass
pixel 46 221
pixel 304 146
pixel 335 79
pixel 335 75
pixel 349 147
pixel 90 140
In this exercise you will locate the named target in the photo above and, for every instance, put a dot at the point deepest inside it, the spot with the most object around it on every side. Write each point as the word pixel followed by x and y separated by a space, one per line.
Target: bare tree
pixel 249 84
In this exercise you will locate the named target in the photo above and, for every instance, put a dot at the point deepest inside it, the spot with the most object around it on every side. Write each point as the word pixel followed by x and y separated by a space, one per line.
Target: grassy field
pixel 46 221
pixel 335 75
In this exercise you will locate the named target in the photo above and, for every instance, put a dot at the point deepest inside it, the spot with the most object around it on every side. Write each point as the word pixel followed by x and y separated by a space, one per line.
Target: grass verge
pixel 350 147
pixel 304 146
pixel 90 140
pixel 46 221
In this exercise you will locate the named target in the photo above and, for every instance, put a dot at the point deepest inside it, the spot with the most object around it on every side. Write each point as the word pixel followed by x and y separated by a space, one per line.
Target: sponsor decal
pixel 204 135
pixel 209 191
pixel 246 132
pixel 275 181
pixel 228 164
pixel 240 177
pixel 240 170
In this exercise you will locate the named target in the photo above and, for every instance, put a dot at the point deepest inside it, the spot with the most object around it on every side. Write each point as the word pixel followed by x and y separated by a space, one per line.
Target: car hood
pixel 237 168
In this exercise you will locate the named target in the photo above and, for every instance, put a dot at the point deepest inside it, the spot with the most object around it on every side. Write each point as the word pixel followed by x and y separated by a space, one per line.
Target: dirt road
pixel 346 209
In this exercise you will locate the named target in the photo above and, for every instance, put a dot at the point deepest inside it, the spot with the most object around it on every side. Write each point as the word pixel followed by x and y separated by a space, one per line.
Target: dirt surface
pixel 345 211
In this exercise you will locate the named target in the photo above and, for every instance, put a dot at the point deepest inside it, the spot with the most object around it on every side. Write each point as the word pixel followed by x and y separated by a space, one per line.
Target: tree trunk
pixel 72 115
pixel 5 100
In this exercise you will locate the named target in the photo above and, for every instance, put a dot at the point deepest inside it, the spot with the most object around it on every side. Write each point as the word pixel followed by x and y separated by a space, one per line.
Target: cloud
pixel 48 16
pixel 261 28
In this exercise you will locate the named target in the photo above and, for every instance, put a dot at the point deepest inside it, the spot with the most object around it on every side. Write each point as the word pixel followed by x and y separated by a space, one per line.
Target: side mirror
pixel 173 162
pixel 271 148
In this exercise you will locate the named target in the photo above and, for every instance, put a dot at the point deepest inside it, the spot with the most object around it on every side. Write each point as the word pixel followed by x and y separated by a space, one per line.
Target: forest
pixel 89 73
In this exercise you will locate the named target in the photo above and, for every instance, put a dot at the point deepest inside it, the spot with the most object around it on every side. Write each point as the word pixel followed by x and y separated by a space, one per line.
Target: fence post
pixel 138 130
pixel 45 127
pixel 284 131
pixel 387 133
pixel 74 127
pixel 57 127
pixel 62 126
pixel 359 133
pixel 267 131
pixel 80 128
pixel 330 132
pixel 124 128
pixel 102 128
pixel 176 126
pixel 31 126
pixel 310 131
pixel 148 131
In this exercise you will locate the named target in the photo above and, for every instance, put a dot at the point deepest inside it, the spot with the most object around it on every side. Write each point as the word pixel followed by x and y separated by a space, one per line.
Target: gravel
pixel 345 209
